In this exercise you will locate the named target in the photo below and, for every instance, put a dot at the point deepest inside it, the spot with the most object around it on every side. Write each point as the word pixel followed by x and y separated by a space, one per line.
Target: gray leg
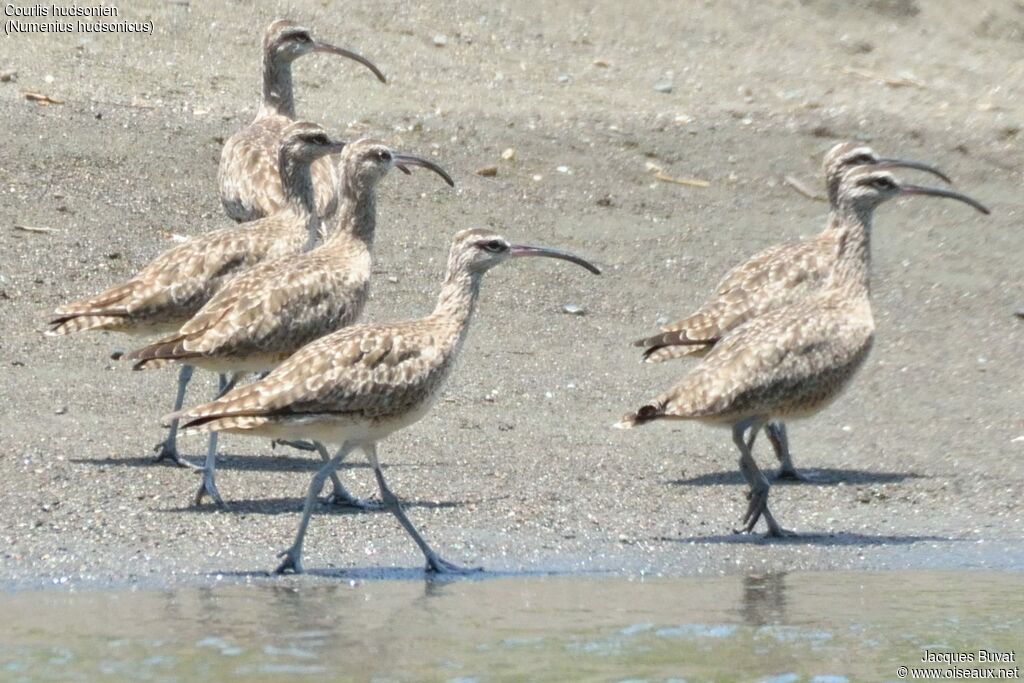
pixel 293 555
pixel 168 448
pixel 341 495
pixel 435 562
pixel 776 432
pixel 208 487
pixel 759 486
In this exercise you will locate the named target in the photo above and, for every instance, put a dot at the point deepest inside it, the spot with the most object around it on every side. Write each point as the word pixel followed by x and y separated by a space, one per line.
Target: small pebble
pixel 603 63
pixel 8 76
pixel 538 177
pixel 563 169
pixel 392 279
pixel 48 78
pixel 510 155
pixel 487 171
pixel 564 78
pixel 440 40
pixel 61 411
pixel 116 354
pixel 573 309
pixel 1020 312
pixel 664 86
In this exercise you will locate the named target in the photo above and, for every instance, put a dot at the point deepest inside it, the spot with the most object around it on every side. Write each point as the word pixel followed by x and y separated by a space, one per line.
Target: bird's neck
pixel 457 301
pixel 851 231
pixel 278 97
pixel 357 215
pixel 299 198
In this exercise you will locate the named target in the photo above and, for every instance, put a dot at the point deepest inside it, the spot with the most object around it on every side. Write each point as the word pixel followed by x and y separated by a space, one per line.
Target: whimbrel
pixel 793 360
pixel 273 309
pixel 777 276
pixel 176 284
pixel 250 185
pixel 356 386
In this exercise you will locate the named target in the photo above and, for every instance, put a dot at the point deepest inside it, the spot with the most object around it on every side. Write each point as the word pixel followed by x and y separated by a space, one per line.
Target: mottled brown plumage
pixel 176 284
pixel 777 276
pixel 248 177
pixel 794 360
pixel 271 310
pixel 356 386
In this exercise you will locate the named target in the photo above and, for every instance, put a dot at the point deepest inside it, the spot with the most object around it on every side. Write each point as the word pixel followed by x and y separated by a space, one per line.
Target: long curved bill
pixel 949 194
pixel 403 161
pixel 916 165
pixel 334 50
pixel 517 250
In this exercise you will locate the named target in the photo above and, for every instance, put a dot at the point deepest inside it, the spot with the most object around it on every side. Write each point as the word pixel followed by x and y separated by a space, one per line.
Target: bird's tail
pixel 106 310
pixel 674 344
pixel 160 353
pixel 646 413
pixel 69 324
pixel 218 422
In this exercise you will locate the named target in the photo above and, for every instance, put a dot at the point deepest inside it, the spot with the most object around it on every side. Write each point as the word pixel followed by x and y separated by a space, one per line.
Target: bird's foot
pixel 292 562
pixel 166 452
pixel 775 530
pixel 208 487
pixel 438 565
pixel 299 445
pixel 791 474
pixel 755 508
pixel 346 499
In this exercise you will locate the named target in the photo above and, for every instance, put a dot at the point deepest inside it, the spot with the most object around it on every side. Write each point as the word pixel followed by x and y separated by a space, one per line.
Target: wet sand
pixel 517 469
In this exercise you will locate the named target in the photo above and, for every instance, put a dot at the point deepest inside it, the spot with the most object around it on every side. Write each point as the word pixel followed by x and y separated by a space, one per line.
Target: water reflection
pixel 764 599
pixel 556 628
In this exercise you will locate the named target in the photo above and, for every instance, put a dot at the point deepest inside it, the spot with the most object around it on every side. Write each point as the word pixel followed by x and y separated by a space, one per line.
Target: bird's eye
pixel 320 140
pixel 494 246
pixel 883 183
pixel 383 155
pixel 862 159
pixel 304 37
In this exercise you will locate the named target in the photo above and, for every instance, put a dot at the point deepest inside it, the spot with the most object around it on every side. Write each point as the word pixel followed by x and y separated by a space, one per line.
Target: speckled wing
pixel 250 179
pixel 367 371
pixel 785 362
pixel 174 285
pixel 273 308
pixel 775 277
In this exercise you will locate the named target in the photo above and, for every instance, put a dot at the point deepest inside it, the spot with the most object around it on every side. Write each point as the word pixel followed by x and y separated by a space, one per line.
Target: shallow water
pixel 824 627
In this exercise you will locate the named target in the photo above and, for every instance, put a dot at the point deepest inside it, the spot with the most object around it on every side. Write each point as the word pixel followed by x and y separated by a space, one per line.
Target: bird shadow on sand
pixel 293 505
pixel 818 476
pixel 295 461
pixel 810 538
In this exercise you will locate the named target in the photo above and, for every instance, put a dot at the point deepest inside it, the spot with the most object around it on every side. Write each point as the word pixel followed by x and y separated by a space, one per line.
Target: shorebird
pixel 793 360
pixel 271 310
pixel 175 285
pixel 779 275
pixel 250 185
pixel 360 384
